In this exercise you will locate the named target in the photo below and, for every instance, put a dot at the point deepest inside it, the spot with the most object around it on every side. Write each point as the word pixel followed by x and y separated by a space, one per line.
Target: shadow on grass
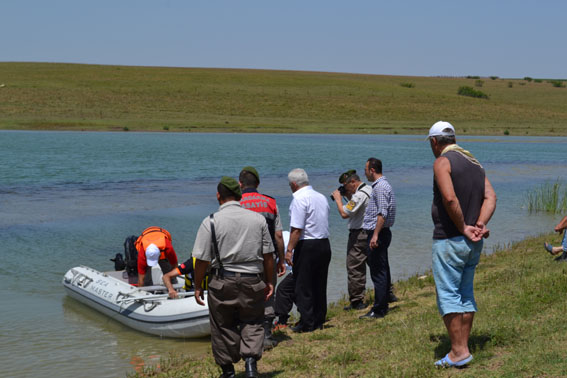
pixel 476 343
pixel 274 373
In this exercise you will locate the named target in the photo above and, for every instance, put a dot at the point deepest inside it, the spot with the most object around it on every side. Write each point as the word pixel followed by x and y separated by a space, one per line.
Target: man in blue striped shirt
pixel 379 216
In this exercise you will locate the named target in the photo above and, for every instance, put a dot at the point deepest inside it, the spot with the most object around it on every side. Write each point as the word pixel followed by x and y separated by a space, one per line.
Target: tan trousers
pixel 356 265
pixel 236 312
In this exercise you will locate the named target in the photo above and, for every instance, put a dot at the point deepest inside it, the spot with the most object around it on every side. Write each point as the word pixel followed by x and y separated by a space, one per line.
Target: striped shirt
pixel 382 202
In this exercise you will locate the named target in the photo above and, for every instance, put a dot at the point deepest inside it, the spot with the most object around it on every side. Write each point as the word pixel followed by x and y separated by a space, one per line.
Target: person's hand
pixel 337 196
pixel 269 290
pixel 485 232
pixel 374 241
pixel 199 296
pixel 173 294
pixel 288 256
pixel 473 233
pixel 280 268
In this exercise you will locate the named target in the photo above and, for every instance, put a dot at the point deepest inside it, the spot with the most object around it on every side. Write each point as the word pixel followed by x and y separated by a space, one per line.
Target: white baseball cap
pixel 441 128
pixel 152 254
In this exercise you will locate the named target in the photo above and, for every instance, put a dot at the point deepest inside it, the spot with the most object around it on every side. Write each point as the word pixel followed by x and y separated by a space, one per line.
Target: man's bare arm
pixel 200 270
pixel 294 236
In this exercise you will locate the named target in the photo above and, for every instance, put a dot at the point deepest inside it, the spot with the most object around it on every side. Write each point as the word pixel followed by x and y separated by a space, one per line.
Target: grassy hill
pixel 52 96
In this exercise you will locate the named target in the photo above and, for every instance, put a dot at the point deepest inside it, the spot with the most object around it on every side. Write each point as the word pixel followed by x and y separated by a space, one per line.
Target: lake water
pixel 70 198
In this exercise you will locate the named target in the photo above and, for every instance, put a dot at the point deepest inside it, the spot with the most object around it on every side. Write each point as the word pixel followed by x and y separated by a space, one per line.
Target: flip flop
pixel 446 362
pixel 548 247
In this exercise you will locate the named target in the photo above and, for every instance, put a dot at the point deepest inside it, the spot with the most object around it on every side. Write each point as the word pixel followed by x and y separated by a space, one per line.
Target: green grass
pixel 550 197
pixel 50 96
pixel 520 329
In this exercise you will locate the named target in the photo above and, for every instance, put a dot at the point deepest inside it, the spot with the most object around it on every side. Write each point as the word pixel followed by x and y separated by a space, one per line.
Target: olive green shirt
pixel 243 238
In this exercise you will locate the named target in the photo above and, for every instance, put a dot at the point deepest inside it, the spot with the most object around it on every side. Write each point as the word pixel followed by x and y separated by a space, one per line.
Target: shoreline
pixel 519 329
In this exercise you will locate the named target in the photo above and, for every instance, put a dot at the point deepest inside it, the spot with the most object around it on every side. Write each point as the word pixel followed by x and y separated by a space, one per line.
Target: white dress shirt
pixel 309 211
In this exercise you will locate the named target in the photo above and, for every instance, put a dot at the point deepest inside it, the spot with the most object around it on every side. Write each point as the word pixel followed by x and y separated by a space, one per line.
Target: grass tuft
pixel 549 197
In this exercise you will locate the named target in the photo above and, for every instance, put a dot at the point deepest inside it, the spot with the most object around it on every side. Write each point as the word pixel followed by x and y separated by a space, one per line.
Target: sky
pixel 509 39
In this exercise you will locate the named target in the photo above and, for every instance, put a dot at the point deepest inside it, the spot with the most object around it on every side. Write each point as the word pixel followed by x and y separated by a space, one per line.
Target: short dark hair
pixel 445 139
pixel 353 177
pixel 248 179
pixel 376 164
pixel 226 193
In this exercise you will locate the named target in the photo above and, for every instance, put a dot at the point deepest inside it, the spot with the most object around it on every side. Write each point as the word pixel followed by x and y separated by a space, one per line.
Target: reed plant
pixel 549 197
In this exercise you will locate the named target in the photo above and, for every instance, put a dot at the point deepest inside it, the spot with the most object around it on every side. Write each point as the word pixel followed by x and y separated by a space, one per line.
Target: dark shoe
pixel 355 306
pixel 250 366
pixel 300 328
pixel 269 341
pixel 373 315
pixel 392 297
pixel 562 257
pixel 227 371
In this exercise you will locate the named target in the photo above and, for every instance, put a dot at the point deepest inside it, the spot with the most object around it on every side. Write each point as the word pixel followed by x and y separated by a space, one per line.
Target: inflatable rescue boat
pixel 146 309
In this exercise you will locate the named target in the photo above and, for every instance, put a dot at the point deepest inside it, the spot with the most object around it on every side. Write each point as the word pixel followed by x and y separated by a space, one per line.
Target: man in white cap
pixel 154 247
pixel 463 203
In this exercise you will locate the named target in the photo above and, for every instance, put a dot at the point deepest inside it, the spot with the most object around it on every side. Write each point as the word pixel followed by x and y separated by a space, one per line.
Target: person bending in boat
pixel 561 227
pixel 154 247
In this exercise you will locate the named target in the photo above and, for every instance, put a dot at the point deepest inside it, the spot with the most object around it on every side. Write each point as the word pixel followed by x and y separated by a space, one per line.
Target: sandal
pixel 548 247
pixel 446 362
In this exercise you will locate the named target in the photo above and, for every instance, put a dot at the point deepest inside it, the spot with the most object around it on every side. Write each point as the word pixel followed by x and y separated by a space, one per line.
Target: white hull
pixel 138 309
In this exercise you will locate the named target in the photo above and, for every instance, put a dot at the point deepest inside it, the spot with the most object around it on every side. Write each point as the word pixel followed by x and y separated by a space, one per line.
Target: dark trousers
pixel 356 265
pixel 310 268
pixel 380 269
pixel 236 313
pixel 285 296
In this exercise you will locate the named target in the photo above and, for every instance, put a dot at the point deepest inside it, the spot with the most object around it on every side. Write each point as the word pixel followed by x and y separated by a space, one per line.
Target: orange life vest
pixel 153 235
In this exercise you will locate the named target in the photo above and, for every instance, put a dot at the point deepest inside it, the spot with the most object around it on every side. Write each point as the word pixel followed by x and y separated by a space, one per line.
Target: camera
pixel 341 190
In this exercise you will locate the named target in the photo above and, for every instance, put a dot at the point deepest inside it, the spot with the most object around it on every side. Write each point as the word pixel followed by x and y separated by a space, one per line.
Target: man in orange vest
pixel 249 179
pixel 154 247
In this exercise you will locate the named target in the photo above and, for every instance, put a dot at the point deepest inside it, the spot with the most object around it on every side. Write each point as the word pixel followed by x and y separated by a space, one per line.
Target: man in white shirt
pixel 357 194
pixel 309 245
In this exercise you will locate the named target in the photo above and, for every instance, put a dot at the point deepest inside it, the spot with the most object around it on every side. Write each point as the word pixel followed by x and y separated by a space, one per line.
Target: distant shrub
pixel 538 81
pixel 493 77
pixel 478 83
pixel 473 77
pixel 471 92
pixel 557 83
pixel 408 85
pixel 510 84
pixel 506 132
pixel 528 79
pixel 125 128
pixel 166 128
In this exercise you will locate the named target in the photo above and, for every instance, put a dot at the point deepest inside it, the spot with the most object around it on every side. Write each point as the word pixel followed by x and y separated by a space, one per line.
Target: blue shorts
pixel 564 241
pixel 454 264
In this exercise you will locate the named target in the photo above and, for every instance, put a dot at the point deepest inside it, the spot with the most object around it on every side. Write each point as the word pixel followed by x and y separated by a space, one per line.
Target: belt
pixel 371 231
pixel 228 273
pixel 355 229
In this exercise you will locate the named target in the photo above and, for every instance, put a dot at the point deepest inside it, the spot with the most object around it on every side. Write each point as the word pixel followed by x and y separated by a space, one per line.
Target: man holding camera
pixel 357 194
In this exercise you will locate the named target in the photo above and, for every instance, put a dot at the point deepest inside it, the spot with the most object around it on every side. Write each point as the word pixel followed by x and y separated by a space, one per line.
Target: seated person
pixel 154 247
pixel 561 226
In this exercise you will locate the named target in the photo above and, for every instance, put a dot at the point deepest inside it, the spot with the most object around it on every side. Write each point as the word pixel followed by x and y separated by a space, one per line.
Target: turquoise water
pixel 70 198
